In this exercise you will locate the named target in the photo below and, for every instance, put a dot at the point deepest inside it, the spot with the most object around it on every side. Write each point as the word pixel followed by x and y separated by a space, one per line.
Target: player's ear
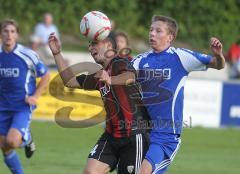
pixel 170 38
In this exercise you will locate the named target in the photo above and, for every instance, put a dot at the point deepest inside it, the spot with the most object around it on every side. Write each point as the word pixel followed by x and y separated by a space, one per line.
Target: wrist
pixel 56 53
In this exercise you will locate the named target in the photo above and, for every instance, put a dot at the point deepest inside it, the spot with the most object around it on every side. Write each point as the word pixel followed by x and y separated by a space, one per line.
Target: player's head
pixel 163 31
pixel 121 40
pixel 48 18
pixel 102 51
pixel 9 31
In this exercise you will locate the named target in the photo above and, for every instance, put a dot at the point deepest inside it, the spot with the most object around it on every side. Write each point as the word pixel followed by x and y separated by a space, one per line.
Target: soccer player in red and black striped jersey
pixel 124 142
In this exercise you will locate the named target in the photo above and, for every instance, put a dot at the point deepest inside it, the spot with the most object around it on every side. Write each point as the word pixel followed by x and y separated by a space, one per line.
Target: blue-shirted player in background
pixel 165 70
pixel 19 68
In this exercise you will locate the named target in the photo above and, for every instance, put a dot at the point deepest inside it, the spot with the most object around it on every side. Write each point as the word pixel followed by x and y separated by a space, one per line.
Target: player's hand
pixel 216 46
pixel 31 100
pixel 54 44
pixel 103 76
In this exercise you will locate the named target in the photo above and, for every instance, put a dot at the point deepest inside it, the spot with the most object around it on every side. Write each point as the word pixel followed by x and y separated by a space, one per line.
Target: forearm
pixel 65 72
pixel 123 79
pixel 218 62
pixel 42 85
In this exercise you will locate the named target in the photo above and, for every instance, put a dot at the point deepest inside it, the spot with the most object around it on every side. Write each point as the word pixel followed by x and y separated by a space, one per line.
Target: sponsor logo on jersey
pixel 9 72
pixel 164 74
pixel 105 90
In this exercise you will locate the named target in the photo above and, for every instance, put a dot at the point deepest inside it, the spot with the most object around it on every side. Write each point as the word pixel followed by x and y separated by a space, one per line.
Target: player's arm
pixel 125 78
pixel 32 100
pixel 218 60
pixel 123 73
pixel 67 75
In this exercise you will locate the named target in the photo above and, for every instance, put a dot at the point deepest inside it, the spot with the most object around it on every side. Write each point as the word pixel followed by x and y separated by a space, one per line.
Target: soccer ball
pixel 95 25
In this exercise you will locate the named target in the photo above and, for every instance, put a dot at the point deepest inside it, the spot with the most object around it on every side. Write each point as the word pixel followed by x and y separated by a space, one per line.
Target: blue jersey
pixel 162 76
pixel 18 72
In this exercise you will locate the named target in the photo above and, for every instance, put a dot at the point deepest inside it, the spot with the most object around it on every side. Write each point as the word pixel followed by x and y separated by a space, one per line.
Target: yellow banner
pixel 75 103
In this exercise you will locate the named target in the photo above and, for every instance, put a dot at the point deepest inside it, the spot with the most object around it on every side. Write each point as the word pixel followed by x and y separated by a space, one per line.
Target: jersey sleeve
pixel 193 61
pixel 39 67
pixel 135 63
pixel 87 82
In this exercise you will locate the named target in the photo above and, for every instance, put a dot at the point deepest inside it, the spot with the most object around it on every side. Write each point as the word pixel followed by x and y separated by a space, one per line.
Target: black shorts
pixel 123 154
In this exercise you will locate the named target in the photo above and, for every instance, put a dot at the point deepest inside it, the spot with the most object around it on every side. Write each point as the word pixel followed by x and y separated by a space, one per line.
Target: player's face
pixel 9 35
pixel 121 42
pixel 98 50
pixel 159 36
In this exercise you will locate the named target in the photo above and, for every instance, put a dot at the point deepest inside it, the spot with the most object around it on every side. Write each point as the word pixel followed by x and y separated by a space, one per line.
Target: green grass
pixel 64 151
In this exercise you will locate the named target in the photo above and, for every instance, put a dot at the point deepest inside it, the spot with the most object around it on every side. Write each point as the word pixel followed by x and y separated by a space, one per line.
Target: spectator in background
pixel 234 60
pixel 123 44
pixel 45 28
pixel 122 40
pixel 43 52
pixel 39 40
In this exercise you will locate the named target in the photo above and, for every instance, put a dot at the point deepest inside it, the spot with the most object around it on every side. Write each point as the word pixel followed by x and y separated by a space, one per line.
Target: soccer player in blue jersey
pixel 19 68
pixel 165 70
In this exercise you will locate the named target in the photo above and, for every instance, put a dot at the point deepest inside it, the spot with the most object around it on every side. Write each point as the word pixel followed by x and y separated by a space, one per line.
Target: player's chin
pixel 153 46
pixel 99 62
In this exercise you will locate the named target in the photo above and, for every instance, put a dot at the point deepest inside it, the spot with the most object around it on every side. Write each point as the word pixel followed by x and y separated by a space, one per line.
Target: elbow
pixel 221 66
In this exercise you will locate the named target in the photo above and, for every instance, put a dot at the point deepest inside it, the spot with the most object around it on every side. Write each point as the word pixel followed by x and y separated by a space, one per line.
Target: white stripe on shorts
pixel 139 149
pixel 167 162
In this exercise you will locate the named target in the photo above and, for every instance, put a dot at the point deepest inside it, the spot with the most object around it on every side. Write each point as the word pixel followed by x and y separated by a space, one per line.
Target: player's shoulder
pixel 119 62
pixel 26 51
pixel 187 53
pixel 182 52
pixel 179 50
pixel 143 55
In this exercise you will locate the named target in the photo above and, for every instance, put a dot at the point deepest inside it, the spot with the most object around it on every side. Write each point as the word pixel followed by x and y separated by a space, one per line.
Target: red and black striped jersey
pixel 123 104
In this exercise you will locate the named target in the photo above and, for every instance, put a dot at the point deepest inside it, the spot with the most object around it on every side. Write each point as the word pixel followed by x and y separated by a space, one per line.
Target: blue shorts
pixel 161 153
pixel 19 120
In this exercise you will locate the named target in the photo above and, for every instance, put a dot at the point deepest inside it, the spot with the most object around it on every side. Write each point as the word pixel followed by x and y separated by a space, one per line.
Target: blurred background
pixel 211 137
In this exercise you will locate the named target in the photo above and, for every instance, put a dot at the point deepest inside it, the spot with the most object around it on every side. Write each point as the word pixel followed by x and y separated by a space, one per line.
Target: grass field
pixel 64 151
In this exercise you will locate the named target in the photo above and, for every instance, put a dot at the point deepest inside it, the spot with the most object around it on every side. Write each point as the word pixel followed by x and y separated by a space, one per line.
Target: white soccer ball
pixel 95 25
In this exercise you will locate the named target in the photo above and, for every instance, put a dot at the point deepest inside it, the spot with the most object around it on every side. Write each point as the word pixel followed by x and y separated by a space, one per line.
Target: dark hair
pixel 171 23
pixel 6 22
pixel 124 35
pixel 113 41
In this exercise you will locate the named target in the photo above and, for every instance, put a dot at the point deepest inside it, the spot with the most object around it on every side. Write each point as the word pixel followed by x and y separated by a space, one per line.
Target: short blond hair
pixel 6 22
pixel 171 23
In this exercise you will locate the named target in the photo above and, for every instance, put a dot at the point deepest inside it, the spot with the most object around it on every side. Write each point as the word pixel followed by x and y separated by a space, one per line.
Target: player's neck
pixel 161 49
pixel 9 48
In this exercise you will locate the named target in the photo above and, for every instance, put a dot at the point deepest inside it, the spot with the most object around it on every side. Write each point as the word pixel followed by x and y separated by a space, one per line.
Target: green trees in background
pixel 198 20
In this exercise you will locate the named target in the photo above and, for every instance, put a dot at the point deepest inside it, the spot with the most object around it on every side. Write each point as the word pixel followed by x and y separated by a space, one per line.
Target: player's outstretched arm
pixel 68 77
pixel 218 61
pixel 32 100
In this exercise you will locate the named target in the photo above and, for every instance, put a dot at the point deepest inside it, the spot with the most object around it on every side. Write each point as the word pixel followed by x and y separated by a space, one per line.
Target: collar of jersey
pixel 10 51
pixel 162 52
